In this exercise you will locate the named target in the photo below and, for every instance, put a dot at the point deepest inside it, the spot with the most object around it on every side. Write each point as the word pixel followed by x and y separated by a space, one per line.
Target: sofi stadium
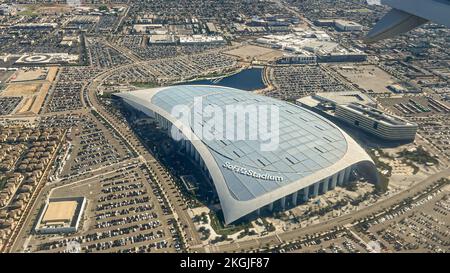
pixel 312 154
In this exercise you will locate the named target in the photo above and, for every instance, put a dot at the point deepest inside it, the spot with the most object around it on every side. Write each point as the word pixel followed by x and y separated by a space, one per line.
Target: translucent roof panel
pixel 306 142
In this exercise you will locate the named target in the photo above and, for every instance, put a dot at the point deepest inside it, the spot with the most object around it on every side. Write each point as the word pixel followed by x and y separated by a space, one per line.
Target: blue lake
pixel 249 80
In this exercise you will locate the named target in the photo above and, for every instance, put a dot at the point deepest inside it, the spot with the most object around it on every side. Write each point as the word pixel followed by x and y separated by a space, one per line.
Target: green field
pixel 219 228
pixel 29 11
pixel 419 156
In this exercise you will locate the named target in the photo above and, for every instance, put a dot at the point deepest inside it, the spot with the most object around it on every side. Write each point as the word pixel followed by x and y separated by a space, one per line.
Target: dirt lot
pixel 249 52
pixel 33 91
pixel 4 75
pixel 15 90
pixel 42 9
pixel 368 77
pixel 29 75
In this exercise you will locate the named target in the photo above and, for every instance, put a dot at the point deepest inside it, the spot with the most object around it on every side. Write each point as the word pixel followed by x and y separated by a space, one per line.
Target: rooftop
pixel 337 98
pixel 308 142
pixel 376 114
pixel 60 211
pixel 305 42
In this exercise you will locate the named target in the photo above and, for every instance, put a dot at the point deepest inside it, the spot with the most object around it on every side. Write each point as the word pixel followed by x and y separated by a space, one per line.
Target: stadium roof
pixel 310 147
pixel 307 143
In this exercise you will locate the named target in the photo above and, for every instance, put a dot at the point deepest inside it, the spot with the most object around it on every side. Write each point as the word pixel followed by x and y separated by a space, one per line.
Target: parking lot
pixel 177 69
pixel 66 92
pixel 430 113
pixel 416 106
pixel 125 213
pixel 9 104
pixel 338 243
pixel 293 82
pixel 102 55
pixel 93 147
pixel 420 226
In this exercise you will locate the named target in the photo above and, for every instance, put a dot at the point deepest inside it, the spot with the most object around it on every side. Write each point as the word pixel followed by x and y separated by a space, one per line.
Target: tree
pixel 196 218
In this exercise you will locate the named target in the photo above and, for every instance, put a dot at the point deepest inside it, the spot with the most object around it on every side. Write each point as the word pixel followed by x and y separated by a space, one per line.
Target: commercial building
pixel 324 22
pixel 297 59
pixel 402 88
pixel 61 215
pixel 397 88
pixel 162 39
pixel 376 122
pixel 329 100
pixel 201 39
pixel 306 46
pixel 339 24
pixel 359 110
pixel 310 155
pixel 353 55
pixel 345 25
pixel 35 26
pixel 148 28
pixel 211 27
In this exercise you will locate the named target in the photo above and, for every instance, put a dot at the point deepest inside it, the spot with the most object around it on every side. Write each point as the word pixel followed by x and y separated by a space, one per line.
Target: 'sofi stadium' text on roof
pixel 311 153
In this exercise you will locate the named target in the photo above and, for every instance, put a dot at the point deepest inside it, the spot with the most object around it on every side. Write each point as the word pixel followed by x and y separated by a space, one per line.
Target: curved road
pixel 329 224
pixel 166 183
pixel 178 207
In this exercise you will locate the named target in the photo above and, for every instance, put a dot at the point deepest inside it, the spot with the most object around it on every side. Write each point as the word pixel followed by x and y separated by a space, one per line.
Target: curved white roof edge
pixel 234 209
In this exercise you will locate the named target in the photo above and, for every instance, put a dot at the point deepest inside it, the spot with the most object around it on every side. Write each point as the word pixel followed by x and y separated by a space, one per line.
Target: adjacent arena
pixel 312 157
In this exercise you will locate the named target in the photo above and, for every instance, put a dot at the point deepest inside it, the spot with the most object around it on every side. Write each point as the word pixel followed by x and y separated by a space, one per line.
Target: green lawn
pixel 219 228
pixel 29 11
pixel 419 156
pixel 383 184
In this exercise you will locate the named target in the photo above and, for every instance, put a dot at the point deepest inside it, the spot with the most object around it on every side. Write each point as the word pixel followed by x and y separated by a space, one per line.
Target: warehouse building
pixel 61 215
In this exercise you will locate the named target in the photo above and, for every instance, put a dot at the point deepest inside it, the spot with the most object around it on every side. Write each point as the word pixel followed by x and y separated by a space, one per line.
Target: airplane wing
pixel 408 14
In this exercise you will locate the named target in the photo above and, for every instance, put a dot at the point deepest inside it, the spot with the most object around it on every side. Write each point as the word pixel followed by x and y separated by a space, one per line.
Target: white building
pixel 61 215
pixel 376 122
pixel 162 39
pixel 201 39
pixel 312 155
pixel 311 46
pixel 345 25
